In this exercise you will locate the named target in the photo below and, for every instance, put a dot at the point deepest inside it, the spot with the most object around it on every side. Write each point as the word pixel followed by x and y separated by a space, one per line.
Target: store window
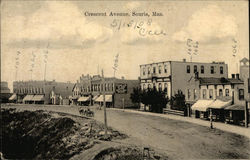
pixel 166 88
pixel 211 93
pixel 188 68
pixel 195 68
pixel 204 93
pixel 202 69
pixel 160 87
pixel 149 86
pixel 241 94
pixel 227 92
pixel 220 92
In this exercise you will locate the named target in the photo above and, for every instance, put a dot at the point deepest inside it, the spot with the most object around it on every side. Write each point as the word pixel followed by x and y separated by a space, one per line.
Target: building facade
pixel 40 92
pixel 176 75
pixel 117 91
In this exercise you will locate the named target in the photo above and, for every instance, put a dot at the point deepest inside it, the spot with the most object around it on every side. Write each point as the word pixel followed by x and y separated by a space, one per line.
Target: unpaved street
pixel 176 139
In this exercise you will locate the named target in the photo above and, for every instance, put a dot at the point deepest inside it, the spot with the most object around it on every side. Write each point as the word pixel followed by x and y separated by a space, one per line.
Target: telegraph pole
pixel 104 108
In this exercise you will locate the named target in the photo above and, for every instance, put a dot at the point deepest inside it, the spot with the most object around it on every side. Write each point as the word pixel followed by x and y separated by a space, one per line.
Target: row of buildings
pixel 198 81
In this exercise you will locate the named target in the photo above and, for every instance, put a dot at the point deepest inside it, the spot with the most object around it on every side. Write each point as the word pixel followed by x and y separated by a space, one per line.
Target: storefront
pixel 84 101
pixel 108 99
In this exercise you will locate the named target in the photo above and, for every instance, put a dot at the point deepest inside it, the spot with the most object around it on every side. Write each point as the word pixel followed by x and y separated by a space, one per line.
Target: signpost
pixel 104 108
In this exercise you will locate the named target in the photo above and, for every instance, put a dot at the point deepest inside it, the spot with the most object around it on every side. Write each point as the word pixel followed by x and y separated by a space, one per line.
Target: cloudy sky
pixel 76 44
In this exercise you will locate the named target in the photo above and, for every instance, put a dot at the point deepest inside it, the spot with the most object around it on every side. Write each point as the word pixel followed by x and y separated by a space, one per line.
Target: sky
pixel 58 37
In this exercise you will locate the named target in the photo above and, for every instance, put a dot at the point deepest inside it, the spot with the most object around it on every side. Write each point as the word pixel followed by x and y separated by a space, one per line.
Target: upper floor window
pixel 159 69
pixel 212 69
pixel 241 94
pixel 188 68
pixel 165 68
pixel 143 71
pixel 195 68
pixel 154 69
pixel 211 93
pixel 220 92
pixel 202 69
pixel 148 70
pixel 227 92
pixel 221 70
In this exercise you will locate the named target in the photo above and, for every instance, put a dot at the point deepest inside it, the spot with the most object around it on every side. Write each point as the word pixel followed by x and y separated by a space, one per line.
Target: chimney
pixel 237 76
pixel 233 76
pixel 184 60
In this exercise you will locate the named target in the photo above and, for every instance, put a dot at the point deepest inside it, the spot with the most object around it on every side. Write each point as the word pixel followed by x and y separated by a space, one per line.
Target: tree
pixel 178 102
pixel 135 96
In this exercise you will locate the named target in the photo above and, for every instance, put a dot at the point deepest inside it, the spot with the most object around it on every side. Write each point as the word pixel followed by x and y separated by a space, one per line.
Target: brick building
pixel 88 90
pixel 41 92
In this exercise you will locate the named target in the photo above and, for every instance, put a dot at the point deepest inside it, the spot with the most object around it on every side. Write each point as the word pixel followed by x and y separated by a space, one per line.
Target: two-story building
pixel 172 76
pixel 117 91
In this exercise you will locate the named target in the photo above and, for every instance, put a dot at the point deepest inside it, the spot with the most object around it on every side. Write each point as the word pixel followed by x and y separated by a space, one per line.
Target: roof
pixel 207 81
pixel 244 60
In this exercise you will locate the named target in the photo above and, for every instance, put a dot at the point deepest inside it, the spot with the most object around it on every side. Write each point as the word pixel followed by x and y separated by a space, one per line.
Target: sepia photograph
pixel 124 80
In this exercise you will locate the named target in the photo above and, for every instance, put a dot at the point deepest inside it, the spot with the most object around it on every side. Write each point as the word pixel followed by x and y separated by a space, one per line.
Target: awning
pixel 83 99
pixel 13 97
pixel 74 97
pixel 38 98
pixel 95 97
pixel 235 107
pixel 108 98
pixel 219 104
pixel 28 97
pixel 201 105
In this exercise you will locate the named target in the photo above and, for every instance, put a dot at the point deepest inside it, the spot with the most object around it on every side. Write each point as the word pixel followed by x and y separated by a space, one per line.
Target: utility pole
pixel 104 108
pixel 211 119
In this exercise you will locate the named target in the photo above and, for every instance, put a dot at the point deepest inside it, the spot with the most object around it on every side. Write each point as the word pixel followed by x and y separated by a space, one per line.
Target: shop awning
pixel 28 97
pixel 235 107
pixel 201 105
pixel 83 99
pixel 95 97
pixel 38 98
pixel 219 104
pixel 13 97
pixel 108 98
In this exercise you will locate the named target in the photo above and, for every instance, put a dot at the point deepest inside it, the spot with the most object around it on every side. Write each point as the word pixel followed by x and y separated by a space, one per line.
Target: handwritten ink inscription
pixel 143 27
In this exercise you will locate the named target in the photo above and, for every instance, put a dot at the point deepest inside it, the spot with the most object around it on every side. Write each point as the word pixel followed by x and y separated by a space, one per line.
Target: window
pixel 202 69
pixel 165 68
pixel 149 86
pixel 221 70
pixel 154 69
pixel 227 92
pixel 113 86
pixel 211 93
pixel 212 69
pixel 204 93
pixel 105 87
pixel 143 71
pixel 188 94
pixel 144 86
pixel 159 69
pixel 148 70
pixel 188 69
pixel 195 68
pixel 241 94
pixel 220 92
pixel 154 86
pixel 166 88
pixel 195 94
pixel 160 87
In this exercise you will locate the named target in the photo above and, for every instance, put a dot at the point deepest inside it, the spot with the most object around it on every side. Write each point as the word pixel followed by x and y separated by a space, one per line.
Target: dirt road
pixel 176 139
